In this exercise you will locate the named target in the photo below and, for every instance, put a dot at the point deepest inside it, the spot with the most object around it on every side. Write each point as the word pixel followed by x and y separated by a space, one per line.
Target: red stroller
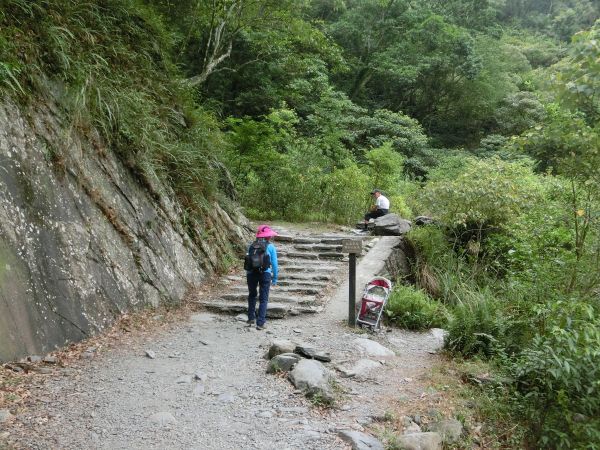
pixel 373 301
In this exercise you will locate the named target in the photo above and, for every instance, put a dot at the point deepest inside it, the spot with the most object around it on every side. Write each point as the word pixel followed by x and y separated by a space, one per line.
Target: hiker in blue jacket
pixel 261 275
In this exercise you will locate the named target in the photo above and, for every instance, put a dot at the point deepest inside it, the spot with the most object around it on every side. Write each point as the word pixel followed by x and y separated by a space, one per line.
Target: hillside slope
pixel 109 200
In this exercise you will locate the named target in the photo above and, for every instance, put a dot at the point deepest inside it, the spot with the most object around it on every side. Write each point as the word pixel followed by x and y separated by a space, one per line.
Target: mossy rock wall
pixel 82 240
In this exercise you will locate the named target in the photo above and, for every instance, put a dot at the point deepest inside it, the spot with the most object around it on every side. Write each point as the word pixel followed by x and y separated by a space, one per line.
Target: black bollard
pixel 352 290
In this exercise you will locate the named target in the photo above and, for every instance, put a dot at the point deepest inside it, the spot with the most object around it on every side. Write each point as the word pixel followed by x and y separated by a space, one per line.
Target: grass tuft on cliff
pixel 108 64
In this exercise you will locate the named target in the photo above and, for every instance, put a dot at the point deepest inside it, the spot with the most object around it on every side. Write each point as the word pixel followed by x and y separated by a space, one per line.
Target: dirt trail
pixel 207 388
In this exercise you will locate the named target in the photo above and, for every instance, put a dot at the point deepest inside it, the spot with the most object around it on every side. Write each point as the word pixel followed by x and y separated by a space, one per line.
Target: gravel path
pixel 207 388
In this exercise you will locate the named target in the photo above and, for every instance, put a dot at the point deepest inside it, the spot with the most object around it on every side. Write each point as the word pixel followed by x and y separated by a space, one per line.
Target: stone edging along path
pixel 203 383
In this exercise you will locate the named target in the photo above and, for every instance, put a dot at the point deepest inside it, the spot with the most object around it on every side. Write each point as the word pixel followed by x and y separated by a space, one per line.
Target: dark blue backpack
pixel 257 259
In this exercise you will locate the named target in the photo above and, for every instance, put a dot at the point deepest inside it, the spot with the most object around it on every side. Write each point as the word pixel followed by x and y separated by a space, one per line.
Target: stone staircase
pixel 310 266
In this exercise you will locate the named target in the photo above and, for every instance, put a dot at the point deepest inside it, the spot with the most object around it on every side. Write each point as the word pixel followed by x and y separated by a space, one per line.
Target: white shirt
pixel 382 202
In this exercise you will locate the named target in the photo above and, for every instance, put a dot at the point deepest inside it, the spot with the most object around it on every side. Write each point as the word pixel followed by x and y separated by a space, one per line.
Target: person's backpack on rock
pixel 257 258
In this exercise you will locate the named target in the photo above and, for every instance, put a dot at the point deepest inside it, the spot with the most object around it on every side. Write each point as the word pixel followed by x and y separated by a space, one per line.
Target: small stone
pixel 162 418
pixel 412 428
pixel 283 363
pixel 322 356
pixel 420 441
pixel 293 410
pixel 50 359
pixel 184 379
pixel 450 430
pixel 241 318
pixel 201 376
pixel 280 346
pixel 297 330
pixel 372 348
pixel 360 441
pixel 405 421
pixel 304 351
pixel 365 421
pixel 226 397
pixel 150 354
pixel 5 415
pixel 34 358
pixel 360 369
pixel 198 390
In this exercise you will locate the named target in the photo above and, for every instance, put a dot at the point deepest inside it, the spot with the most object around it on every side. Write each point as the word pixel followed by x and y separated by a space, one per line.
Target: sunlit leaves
pixel 484 192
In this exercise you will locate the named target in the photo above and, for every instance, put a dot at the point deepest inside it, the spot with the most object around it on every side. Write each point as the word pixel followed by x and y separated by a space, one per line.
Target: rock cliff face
pixel 82 239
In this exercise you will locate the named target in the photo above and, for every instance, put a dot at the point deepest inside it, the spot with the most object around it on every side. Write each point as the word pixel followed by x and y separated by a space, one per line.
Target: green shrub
pixel 413 309
pixel 477 326
pixel 559 379
pixel 343 194
pixel 398 206
pixel 488 193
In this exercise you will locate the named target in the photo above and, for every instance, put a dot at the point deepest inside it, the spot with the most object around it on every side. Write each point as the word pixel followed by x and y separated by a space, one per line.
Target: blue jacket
pixel 274 269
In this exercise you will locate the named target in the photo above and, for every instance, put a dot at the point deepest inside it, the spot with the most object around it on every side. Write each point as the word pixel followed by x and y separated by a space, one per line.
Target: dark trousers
pixel 375 214
pixel 259 284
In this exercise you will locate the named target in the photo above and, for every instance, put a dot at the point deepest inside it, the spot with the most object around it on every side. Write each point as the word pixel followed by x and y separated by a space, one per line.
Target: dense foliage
pixel 484 114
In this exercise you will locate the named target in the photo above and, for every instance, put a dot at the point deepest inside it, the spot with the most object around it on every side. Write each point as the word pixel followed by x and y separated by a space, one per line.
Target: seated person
pixel 382 206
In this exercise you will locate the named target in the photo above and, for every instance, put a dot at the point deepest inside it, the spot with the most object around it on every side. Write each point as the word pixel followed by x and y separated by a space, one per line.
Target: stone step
pixel 319 247
pixel 303 284
pixel 313 256
pixel 297 255
pixel 317 278
pixel 307 269
pixel 277 298
pixel 286 289
pixel 300 276
pixel 274 310
pixel 337 239
pixel 285 261
pixel 297 239
pixel 314 264
pixel 332 255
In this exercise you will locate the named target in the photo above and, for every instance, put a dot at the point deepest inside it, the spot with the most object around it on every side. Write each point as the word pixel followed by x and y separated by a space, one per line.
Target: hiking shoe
pixel 249 322
pixel 260 327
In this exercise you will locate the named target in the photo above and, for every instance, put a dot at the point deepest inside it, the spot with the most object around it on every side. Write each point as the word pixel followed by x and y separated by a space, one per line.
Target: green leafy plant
pixel 477 326
pixel 558 377
pixel 412 309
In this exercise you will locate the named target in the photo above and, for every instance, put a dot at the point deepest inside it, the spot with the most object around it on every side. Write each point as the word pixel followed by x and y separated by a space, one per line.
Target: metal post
pixel 352 290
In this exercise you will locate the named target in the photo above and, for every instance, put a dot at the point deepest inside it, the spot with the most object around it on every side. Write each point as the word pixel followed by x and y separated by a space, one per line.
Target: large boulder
pixel 390 225
pixel 371 348
pixel 283 362
pixel 312 377
pixel 450 430
pixel 420 441
pixel 280 346
pixel 424 220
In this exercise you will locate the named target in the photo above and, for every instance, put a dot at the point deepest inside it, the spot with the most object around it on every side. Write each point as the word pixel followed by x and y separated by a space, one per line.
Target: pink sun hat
pixel 265 231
